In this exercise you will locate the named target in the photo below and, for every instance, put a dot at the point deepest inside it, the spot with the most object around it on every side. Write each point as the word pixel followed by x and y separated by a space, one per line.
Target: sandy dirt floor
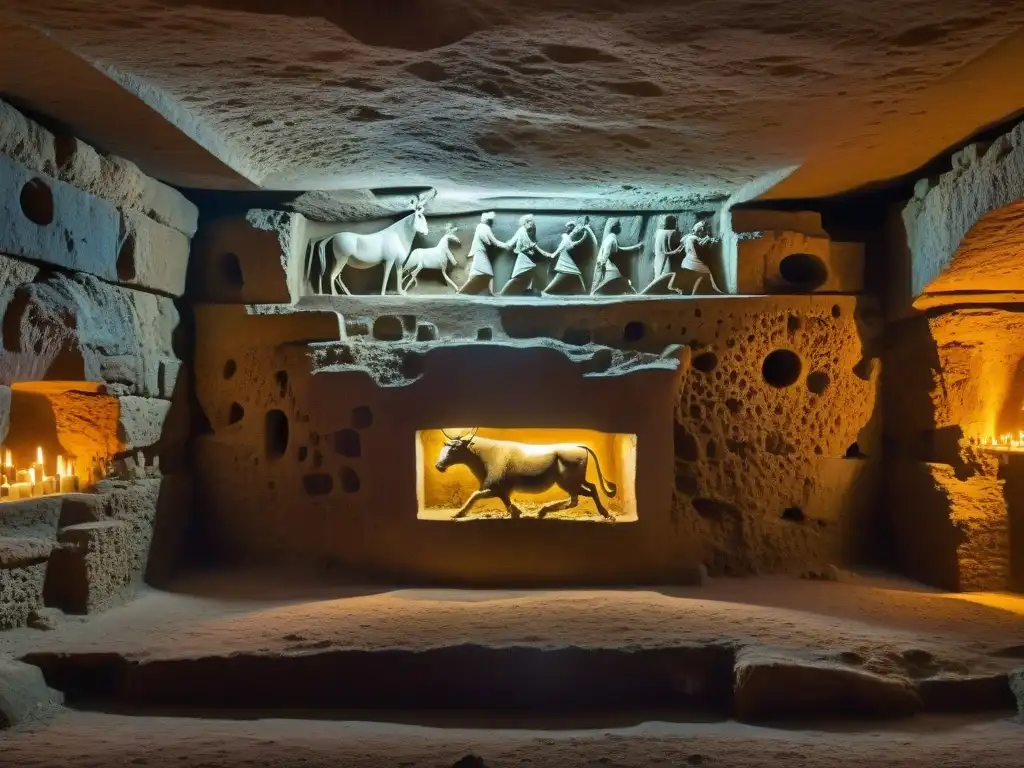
pixel 273 614
pixel 86 740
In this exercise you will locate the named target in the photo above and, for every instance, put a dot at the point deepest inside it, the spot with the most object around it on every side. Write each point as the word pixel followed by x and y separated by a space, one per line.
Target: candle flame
pixel 60 465
pixel 8 459
pixel 39 455
pixel 32 475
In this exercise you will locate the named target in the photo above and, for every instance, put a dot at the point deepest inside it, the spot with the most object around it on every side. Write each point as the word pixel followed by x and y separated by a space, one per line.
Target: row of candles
pixel 33 481
pixel 1007 442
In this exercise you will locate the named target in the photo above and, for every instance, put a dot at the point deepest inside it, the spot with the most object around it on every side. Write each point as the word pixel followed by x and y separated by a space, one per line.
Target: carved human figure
pixel 481 271
pixel 698 236
pixel 664 276
pixel 568 278
pixel 525 247
pixel 607 277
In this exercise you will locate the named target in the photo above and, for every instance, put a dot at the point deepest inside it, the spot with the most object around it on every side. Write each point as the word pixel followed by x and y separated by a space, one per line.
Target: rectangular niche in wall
pixel 538 471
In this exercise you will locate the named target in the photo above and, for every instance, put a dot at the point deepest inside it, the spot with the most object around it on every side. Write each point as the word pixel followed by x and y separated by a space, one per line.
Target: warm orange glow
pixel 39 455
pixel 1005 442
pixel 442 493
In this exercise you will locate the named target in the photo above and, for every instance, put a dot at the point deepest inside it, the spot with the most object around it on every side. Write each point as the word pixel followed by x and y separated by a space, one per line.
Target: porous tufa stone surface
pixel 151 255
pixel 92 568
pixel 76 327
pixel 777 684
pixel 963 228
pixel 46 619
pixel 111 178
pixel 24 695
pixel 23 563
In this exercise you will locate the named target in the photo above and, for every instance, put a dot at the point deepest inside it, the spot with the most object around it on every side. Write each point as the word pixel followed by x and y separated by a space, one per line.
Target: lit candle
pixel 21 476
pixel 69 482
pixel 20 491
pixel 35 489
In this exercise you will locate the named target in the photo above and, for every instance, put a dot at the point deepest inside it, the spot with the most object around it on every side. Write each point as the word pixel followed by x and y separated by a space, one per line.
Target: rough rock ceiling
pixel 629 101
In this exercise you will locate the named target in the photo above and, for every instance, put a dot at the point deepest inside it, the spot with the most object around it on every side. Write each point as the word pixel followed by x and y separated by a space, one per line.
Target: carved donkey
pixel 438 257
pixel 389 247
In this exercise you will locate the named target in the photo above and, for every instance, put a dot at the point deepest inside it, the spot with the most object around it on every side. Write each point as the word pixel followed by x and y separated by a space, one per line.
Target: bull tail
pixel 609 488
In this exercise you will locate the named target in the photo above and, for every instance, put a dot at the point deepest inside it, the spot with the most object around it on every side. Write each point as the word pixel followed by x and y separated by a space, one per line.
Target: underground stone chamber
pixel 708 398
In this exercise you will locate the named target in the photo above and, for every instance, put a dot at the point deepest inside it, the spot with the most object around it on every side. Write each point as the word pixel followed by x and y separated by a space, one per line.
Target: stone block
pixel 251 259
pixel 151 255
pixel 791 262
pixel 949 533
pixel 167 378
pixel 24 695
pixel 111 178
pixel 78 328
pixel 22 574
pixel 770 684
pixel 91 569
pixel 141 421
pixel 48 221
pixel 34 518
pixel 154 509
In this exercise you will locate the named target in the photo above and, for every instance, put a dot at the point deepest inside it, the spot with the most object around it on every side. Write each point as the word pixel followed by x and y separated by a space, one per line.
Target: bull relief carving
pixel 543 477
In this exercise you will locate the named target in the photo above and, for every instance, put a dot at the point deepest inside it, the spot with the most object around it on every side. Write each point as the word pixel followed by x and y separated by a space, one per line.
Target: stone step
pixel 752 684
pixel 23 562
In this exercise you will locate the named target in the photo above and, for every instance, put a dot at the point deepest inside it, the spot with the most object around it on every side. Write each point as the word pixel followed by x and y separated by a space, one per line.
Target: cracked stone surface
pixel 638 102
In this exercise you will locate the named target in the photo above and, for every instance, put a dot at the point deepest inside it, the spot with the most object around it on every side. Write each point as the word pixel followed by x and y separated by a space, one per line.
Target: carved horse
pixel 438 257
pixel 388 247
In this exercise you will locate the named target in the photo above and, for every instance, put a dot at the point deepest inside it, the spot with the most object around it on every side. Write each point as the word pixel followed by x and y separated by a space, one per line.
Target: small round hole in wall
pixel 348 443
pixel 362 417
pixel 276 434
pixel 484 334
pixel 236 413
pixel 804 271
pixel 836 311
pixel 793 515
pixel 318 484
pixel 634 331
pixel 37 202
pixel 705 362
pixel 817 382
pixel 349 480
pixel 781 368
pixel 281 377
pixel 230 366
pixel 231 270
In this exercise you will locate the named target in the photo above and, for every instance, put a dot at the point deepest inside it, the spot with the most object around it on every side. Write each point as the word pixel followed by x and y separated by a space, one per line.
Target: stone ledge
pixel 54 223
pixel 771 683
pixel 19 552
pixel 112 178
pixel 91 569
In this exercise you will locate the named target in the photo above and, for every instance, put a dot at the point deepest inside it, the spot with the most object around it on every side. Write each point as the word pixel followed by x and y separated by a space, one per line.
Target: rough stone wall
pixel 774 477
pixel 962 229
pixel 961 380
pixel 93 256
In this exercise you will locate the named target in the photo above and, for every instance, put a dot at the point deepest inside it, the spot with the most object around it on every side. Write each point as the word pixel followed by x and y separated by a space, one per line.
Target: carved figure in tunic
pixel 525 248
pixel 607 277
pixel 568 278
pixel 481 271
pixel 664 276
pixel 692 264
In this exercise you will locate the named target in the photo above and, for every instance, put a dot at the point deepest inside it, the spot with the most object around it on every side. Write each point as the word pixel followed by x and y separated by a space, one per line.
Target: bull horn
pixel 472 433
pixel 446 435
